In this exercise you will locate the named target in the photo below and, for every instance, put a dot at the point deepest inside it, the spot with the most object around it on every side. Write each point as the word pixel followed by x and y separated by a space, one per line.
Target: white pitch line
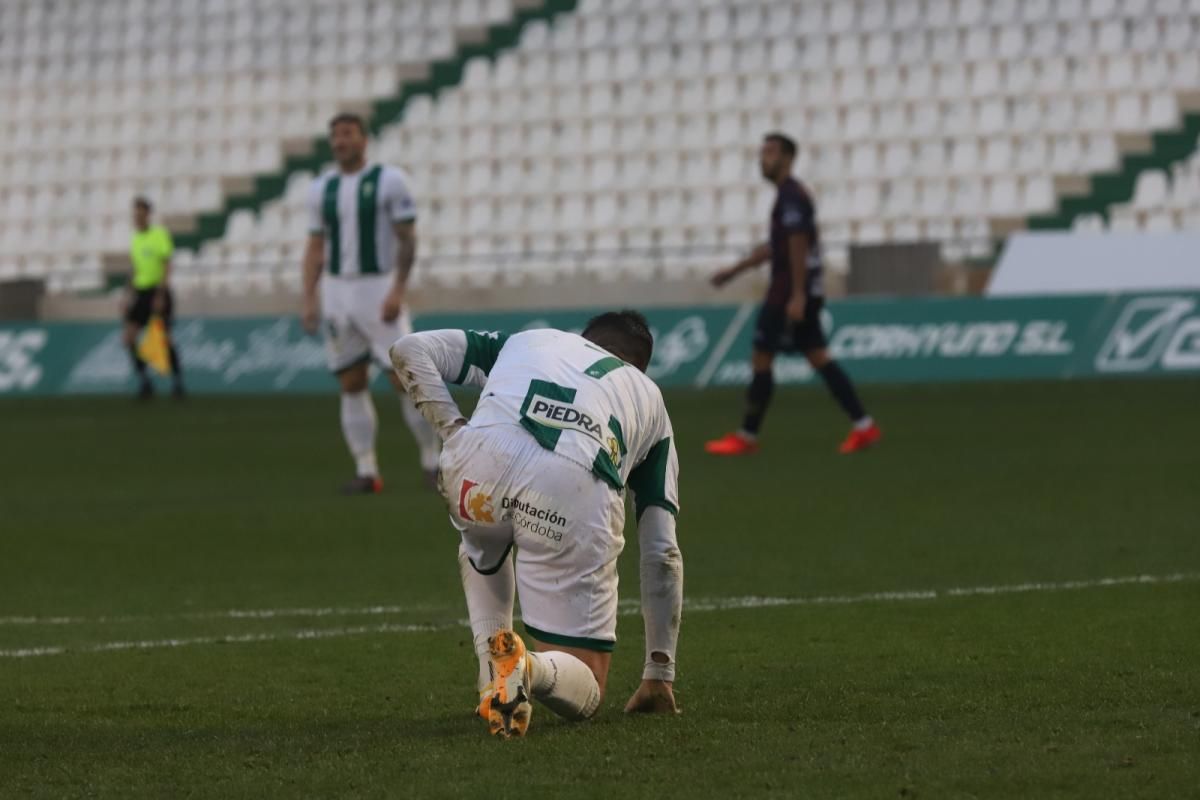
pixel 627 608
pixel 153 644
pixel 233 613
pixel 728 603
pixel 1066 586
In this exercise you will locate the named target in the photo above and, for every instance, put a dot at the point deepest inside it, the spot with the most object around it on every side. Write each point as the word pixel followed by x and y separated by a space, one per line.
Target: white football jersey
pixel 355 213
pixel 573 397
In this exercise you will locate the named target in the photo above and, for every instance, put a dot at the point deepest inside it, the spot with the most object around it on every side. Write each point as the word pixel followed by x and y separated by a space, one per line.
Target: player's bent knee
pixel 601 682
pixel 596 661
pixel 599 667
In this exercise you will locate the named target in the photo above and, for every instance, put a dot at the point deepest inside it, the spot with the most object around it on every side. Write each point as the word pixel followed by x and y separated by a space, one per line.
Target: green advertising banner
pixel 926 340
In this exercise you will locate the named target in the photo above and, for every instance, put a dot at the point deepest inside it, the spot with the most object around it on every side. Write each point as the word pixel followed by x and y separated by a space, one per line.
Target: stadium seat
pixel 914 117
pixel 1151 190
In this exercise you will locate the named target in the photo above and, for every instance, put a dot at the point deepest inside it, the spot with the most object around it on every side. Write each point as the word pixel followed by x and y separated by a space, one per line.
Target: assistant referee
pixel 150 249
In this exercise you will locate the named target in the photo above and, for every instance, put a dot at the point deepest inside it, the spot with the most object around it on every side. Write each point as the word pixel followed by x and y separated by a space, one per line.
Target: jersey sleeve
pixel 661 573
pixel 655 484
pixel 398 197
pixel 316 197
pixel 482 350
pixel 797 213
pixel 655 480
pixel 463 358
pixel 425 362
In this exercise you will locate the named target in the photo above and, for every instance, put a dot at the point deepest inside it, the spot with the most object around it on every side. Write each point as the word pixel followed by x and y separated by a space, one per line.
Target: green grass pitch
pixel 133 539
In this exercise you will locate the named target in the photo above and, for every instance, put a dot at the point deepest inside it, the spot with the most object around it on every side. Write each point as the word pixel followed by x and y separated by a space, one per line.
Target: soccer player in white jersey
pixel 361 247
pixel 565 425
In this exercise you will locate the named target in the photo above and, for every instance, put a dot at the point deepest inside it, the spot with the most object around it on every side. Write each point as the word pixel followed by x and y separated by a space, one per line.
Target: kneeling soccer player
pixel 565 423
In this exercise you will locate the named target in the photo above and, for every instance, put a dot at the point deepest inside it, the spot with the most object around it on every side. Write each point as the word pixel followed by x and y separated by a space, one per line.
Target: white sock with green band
pixel 564 684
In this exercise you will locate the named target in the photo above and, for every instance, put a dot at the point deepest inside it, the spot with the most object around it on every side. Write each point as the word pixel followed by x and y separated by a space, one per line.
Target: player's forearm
pixel 758 256
pixel 406 258
pixel 799 281
pixel 798 255
pixel 662 591
pixel 424 362
pixel 312 273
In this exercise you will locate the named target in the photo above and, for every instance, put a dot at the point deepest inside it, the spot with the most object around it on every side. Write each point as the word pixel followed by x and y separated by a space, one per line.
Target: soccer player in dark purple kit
pixel 790 318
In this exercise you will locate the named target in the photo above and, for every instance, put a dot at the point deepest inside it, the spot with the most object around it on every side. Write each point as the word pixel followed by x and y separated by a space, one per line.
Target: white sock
pixel 748 436
pixel 358 427
pixel 428 442
pixel 864 423
pixel 489 605
pixel 564 684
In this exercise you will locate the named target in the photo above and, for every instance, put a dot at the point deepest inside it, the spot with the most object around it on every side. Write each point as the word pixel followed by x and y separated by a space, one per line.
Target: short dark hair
pixel 625 333
pixel 143 203
pixel 350 118
pixel 786 143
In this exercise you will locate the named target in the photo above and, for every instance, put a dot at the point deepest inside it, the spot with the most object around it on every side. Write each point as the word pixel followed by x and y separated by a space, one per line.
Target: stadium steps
pixel 442 75
pixel 1110 188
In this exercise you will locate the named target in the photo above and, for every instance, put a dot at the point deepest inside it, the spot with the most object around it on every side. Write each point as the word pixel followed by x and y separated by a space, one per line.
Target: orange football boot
pixel 509 709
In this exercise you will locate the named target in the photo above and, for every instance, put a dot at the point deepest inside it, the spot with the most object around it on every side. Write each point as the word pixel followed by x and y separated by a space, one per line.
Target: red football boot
pixel 733 444
pixel 861 439
pixel 368 484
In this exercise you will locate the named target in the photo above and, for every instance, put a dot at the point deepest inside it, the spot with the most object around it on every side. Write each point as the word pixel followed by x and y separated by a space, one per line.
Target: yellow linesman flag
pixel 153 347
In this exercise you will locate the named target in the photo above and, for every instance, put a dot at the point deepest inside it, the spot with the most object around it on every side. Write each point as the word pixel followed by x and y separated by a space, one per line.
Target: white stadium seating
pixel 617 129
pixel 1163 201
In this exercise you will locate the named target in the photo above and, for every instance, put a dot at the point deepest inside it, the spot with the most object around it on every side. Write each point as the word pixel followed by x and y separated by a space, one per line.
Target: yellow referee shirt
pixel 149 251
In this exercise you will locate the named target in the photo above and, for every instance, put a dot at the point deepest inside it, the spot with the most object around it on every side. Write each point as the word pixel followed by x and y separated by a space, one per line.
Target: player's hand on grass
pixel 795 308
pixel 652 697
pixel 392 305
pixel 309 316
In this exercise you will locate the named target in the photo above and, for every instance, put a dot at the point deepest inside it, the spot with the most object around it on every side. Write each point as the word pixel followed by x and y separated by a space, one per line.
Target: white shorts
pixel 351 319
pixel 505 489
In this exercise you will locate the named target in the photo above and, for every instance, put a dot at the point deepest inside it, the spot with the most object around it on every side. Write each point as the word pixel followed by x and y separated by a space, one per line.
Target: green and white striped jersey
pixel 570 395
pixel 355 213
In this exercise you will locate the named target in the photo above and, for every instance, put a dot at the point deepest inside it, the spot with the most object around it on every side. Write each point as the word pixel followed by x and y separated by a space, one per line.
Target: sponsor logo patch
pixel 614 451
pixel 474 505
pixel 527 516
pixel 563 416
